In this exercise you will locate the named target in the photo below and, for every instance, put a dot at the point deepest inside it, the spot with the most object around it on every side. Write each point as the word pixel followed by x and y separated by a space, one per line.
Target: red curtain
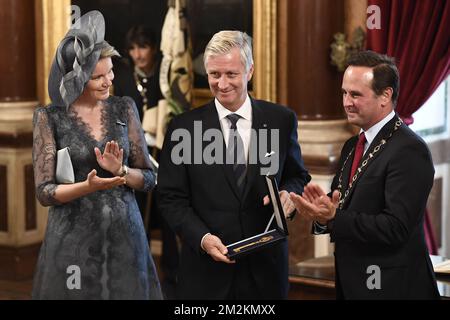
pixel 417 34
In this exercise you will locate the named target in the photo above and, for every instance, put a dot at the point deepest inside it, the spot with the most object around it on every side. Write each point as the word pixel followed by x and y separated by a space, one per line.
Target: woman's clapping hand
pixel 111 159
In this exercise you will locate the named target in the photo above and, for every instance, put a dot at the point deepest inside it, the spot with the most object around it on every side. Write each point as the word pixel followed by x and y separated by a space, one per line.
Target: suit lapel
pixel 211 121
pixel 383 134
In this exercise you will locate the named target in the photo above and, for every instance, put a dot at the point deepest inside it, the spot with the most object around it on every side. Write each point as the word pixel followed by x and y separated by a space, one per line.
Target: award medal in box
pixel 268 237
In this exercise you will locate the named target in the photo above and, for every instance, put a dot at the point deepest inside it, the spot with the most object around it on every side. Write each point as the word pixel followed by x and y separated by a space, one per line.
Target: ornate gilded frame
pixel 53 16
pixel 265 49
pixel 52 23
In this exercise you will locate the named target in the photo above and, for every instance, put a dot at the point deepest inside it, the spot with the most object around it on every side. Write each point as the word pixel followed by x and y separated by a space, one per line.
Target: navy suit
pixel 381 221
pixel 200 198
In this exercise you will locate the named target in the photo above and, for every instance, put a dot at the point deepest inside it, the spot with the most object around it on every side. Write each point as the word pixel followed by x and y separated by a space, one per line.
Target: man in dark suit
pixel 376 209
pixel 211 202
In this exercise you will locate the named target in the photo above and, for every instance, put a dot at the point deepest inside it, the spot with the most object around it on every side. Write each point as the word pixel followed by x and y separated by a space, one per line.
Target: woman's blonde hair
pixel 108 51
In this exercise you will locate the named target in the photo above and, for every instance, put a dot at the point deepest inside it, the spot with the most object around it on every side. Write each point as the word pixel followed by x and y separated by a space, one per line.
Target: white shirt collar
pixel 372 132
pixel 245 111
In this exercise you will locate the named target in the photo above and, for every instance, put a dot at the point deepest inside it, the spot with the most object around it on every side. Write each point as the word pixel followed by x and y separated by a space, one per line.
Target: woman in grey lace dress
pixel 95 245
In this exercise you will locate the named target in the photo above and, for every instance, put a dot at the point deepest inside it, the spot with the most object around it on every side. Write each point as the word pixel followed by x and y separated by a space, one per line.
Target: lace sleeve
pixel 138 157
pixel 44 158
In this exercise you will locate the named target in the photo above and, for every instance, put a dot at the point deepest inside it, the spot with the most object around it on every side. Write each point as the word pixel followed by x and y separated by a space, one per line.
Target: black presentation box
pixel 268 237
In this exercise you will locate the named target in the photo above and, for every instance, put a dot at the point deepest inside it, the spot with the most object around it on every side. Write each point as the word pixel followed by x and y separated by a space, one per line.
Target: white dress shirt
pixel 244 125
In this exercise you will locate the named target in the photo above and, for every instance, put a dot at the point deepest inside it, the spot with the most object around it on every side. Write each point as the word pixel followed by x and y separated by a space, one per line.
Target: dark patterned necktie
pixel 359 151
pixel 236 150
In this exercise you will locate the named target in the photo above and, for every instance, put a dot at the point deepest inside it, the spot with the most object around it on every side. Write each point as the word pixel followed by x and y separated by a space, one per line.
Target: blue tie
pixel 236 150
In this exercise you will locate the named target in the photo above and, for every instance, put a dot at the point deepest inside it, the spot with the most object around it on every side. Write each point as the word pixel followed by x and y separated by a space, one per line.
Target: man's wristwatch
pixel 123 171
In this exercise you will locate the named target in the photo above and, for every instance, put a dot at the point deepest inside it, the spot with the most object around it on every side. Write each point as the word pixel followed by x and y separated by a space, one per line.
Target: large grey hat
pixel 76 58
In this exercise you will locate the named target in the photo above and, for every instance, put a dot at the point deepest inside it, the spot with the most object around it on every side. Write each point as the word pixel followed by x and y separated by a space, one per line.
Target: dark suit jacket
pixel 199 198
pixel 381 222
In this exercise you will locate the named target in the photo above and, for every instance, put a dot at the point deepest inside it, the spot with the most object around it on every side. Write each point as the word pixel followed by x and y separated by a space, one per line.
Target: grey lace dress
pixel 102 233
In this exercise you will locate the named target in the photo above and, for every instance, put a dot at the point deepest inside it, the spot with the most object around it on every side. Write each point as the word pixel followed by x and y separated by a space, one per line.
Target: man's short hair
pixel 385 72
pixel 224 41
pixel 140 35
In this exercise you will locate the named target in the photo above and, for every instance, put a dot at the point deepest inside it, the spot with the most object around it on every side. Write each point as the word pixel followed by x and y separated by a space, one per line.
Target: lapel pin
pixel 121 123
